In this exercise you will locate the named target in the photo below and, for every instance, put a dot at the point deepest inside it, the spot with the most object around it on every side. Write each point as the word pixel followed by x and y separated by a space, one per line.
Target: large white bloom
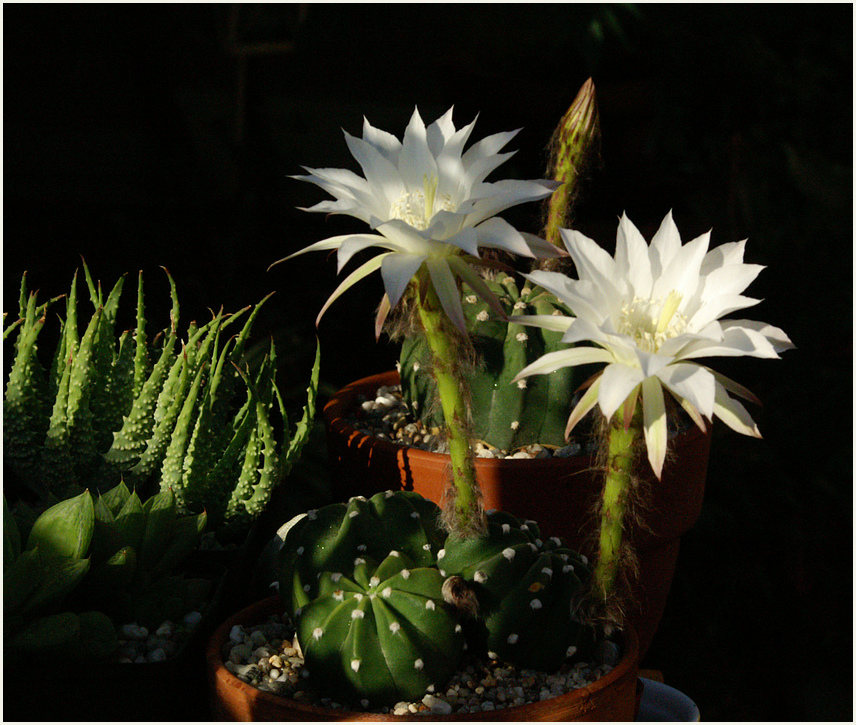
pixel 652 311
pixel 429 203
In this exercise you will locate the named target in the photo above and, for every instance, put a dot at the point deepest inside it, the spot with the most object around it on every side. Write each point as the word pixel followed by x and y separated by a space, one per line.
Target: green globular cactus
pixel 333 537
pixel 168 412
pixel 504 414
pixel 528 591
pixel 382 635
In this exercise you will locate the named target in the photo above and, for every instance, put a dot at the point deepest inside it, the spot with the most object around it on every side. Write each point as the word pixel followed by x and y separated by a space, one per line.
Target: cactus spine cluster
pixel 172 413
pixel 505 415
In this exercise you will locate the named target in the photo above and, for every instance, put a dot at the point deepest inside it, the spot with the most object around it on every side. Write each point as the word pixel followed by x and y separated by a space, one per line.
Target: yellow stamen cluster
pixel 416 208
pixel 650 322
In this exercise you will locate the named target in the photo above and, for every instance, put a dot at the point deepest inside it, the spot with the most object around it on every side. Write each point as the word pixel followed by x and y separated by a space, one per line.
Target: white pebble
pixel 192 619
pixel 167 629
pixel 133 631
pixel 436 705
pixel 240 653
pixel 157 655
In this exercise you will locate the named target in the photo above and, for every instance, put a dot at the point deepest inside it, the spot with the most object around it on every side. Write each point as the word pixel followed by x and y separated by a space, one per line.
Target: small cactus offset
pixel 382 635
pixel 504 414
pixel 333 537
pixel 528 591
pixel 158 413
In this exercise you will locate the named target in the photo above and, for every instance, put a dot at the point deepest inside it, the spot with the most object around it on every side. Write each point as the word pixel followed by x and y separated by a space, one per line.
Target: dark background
pixel 131 138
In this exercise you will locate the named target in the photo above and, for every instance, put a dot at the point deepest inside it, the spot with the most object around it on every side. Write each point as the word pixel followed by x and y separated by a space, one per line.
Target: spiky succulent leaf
pixel 65 529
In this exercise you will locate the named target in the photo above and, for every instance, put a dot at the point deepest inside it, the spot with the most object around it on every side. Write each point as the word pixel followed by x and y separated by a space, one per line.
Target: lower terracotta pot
pixel 558 493
pixel 614 697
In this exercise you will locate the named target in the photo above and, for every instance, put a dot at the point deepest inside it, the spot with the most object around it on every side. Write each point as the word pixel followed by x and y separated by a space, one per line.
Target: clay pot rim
pixel 271 605
pixel 343 401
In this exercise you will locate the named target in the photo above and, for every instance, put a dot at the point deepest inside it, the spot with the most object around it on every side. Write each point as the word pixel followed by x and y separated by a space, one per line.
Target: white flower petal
pixel 485 148
pixel 363 271
pixel 682 272
pixel 381 174
pixel 541 248
pixel 416 160
pixel 439 132
pixel 586 403
pixel 353 243
pixel 556 323
pixel 730 279
pixel 736 341
pixel 692 382
pixel 397 270
pixel 497 233
pixel 733 414
pixel 447 290
pixel 563 359
pixel 654 421
pixel 631 258
pixel 616 384
pixel 717 307
pixel 386 143
pixel 508 193
pixel 664 246
pixel 776 337
pixel 593 263
pixel 723 255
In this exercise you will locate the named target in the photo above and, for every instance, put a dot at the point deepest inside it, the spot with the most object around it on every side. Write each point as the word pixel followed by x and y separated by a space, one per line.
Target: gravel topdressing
pixel 268 656
pixel 387 417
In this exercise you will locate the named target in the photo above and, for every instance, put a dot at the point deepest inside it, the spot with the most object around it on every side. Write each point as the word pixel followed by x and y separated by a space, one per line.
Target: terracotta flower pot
pixel 558 493
pixel 614 697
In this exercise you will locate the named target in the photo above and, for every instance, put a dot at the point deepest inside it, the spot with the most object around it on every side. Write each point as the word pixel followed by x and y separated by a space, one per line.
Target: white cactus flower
pixel 651 311
pixel 428 203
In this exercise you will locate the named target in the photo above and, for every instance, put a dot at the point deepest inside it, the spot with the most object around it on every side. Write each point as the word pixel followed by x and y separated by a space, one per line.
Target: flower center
pixel 417 207
pixel 653 321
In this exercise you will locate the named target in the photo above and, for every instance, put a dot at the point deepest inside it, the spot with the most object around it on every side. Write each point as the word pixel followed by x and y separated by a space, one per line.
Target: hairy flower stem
pixel 463 515
pixel 621 459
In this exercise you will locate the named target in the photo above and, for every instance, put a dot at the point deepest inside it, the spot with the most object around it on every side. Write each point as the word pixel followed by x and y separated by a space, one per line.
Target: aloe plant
pixel 164 413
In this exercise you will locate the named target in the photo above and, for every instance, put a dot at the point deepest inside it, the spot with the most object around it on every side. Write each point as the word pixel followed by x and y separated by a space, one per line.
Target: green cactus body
pixel 381 635
pixel 330 538
pixel 504 414
pixel 528 591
